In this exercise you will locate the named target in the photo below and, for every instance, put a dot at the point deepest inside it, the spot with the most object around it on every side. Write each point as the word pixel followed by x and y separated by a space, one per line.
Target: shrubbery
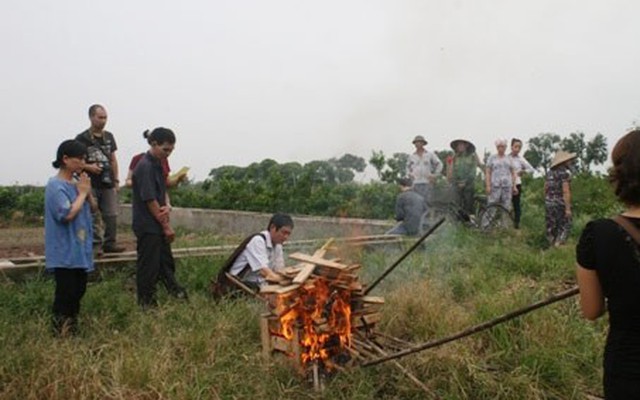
pixel 23 204
pixel 592 198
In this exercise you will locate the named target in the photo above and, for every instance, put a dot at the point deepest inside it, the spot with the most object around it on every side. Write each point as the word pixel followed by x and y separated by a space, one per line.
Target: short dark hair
pixel 406 182
pixel 93 108
pixel 515 140
pixel 279 220
pixel 69 148
pixel 160 135
pixel 625 173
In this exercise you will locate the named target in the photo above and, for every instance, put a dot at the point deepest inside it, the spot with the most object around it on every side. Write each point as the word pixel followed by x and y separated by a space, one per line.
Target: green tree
pixel 541 149
pixel 591 153
pixel 596 151
pixel 389 169
pixel 575 143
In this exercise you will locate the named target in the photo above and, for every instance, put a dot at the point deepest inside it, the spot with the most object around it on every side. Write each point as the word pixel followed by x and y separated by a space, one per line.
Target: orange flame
pixel 323 315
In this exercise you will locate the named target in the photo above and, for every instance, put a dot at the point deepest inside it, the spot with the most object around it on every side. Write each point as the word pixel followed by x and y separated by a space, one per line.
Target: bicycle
pixel 487 217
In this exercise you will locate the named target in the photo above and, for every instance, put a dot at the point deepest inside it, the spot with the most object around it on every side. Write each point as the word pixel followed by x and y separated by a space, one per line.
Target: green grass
pixel 207 350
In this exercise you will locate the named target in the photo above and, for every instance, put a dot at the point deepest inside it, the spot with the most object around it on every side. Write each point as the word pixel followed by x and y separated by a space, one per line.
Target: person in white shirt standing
pixel 423 168
pixel 521 166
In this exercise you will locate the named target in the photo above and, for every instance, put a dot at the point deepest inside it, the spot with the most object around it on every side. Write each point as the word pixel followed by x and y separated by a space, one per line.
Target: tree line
pixel 326 187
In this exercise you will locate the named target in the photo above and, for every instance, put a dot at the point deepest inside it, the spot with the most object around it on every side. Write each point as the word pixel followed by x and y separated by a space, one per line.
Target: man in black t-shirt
pixel 151 223
pixel 102 166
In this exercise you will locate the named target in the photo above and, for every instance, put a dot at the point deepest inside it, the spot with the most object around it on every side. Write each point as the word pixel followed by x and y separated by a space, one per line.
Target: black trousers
pixel 517 211
pixel 71 284
pixel 155 262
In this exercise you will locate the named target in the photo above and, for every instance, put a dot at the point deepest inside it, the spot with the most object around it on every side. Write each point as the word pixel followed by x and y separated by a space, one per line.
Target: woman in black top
pixel 608 267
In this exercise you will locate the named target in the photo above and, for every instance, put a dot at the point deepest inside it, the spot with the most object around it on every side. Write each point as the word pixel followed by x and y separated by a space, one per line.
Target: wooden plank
pixel 278 289
pixel 304 274
pixel 282 344
pixel 373 299
pixel 354 267
pixel 317 260
pixel 265 335
pixel 369 319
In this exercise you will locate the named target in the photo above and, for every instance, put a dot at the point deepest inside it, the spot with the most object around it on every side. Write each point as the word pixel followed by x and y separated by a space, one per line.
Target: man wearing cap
pixel 423 168
pixel 410 208
pixel 557 198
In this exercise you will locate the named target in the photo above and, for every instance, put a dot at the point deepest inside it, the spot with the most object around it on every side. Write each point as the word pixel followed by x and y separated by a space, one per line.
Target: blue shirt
pixel 67 244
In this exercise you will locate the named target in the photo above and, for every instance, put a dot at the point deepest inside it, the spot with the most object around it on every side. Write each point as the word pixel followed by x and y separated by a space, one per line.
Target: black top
pixel 99 151
pixel 606 247
pixel 148 184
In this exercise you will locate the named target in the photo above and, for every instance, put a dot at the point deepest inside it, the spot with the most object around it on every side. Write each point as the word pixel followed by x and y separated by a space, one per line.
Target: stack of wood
pixel 284 328
pixel 317 280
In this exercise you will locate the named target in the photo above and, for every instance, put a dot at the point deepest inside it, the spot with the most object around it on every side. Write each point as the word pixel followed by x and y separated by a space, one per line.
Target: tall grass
pixel 207 350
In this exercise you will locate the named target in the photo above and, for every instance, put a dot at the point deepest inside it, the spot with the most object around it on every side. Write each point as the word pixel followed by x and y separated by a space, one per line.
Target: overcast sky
pixel 294 80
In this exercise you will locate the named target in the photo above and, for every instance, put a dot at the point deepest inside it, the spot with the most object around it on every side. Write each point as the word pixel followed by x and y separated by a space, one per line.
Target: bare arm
pixel 161 214
pixel 270 275
pixel 487 178
pixel 129 181
pixel 566 196
pixel 591 297
pixel 114 168
pixel 478 162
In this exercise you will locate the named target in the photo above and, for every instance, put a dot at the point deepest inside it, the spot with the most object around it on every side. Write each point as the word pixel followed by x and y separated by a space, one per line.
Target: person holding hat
pixel 461 173
pixel 423 168
pixel 557 198
pixel 410 207
pixel 68 236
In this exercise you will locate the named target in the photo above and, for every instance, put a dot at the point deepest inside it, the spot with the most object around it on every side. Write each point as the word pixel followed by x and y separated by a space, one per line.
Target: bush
pixel 22 204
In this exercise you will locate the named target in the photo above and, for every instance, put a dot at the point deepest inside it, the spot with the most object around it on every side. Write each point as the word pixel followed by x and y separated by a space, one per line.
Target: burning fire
pixel 323 316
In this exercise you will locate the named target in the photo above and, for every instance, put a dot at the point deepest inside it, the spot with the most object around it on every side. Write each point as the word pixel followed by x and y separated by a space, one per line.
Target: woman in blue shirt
pixel 68 233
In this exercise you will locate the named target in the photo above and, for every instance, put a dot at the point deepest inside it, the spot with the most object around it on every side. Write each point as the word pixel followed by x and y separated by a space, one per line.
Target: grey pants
pixel 499 195
pixel 107 200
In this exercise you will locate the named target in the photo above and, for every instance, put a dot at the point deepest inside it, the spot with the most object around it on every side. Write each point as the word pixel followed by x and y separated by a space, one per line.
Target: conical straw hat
pixel 561 157
pixel 470 147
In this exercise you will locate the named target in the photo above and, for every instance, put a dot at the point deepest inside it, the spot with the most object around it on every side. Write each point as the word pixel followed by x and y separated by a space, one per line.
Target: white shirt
pixel 422 166
pixel 520 164
pixel 258 254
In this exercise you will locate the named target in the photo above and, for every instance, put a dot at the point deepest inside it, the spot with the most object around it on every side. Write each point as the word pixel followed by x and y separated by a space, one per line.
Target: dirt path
pixel 28 242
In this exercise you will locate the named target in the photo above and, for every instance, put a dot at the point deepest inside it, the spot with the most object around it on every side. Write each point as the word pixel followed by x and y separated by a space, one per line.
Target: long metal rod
pixel 475 329
pixel 403 256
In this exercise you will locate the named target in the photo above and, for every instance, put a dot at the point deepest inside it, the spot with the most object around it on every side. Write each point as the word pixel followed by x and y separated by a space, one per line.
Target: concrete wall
pixel 225 222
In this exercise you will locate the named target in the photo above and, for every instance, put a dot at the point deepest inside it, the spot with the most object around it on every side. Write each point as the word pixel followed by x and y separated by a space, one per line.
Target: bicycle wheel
pixel 495 217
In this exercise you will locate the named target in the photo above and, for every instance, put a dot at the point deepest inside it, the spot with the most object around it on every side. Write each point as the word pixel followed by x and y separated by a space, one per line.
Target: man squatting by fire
pixel 263 256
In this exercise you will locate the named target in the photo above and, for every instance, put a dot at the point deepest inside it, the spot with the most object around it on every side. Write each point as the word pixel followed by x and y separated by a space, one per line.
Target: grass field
pixel 206 350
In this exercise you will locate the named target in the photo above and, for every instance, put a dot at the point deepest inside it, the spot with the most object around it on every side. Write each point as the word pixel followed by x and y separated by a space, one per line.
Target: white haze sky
pixel 293 80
